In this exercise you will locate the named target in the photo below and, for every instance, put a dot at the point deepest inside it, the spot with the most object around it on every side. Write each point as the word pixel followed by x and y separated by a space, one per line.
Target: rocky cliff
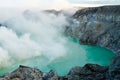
pixel 97 26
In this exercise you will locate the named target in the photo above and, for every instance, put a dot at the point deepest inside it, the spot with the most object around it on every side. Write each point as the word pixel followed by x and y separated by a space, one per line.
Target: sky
pixel 55 3
pixel 95 1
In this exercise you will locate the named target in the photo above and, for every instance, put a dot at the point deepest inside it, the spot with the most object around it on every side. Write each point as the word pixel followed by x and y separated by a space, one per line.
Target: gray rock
pixel 24 73
pixel 97 26
pixel 75 70
pixel 52 75
pixel 27 73
pixel 88 72
pixel 114 69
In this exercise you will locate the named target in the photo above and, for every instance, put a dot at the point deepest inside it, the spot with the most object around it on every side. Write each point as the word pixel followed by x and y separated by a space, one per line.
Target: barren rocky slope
pixel 97 26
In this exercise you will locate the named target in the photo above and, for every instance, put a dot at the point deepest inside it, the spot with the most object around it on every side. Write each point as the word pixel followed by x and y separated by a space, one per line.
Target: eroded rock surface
pixel 97 26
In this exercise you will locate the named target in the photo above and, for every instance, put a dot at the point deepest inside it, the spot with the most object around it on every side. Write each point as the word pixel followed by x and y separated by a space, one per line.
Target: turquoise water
pixel 77 55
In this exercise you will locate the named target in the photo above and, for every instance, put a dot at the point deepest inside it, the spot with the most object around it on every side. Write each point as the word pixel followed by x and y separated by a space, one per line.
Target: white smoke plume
pixel 32 34
pixel 27 31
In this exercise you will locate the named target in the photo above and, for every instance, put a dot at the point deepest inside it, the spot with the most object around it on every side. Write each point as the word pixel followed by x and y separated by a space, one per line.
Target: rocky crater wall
pixel 97 26
pixel 91 26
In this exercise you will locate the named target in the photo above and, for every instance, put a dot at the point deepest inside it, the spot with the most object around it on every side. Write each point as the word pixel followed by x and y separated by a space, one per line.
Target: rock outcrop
pixel 27 73
pixel 96 72
pixel 97 26
pixel 24 73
